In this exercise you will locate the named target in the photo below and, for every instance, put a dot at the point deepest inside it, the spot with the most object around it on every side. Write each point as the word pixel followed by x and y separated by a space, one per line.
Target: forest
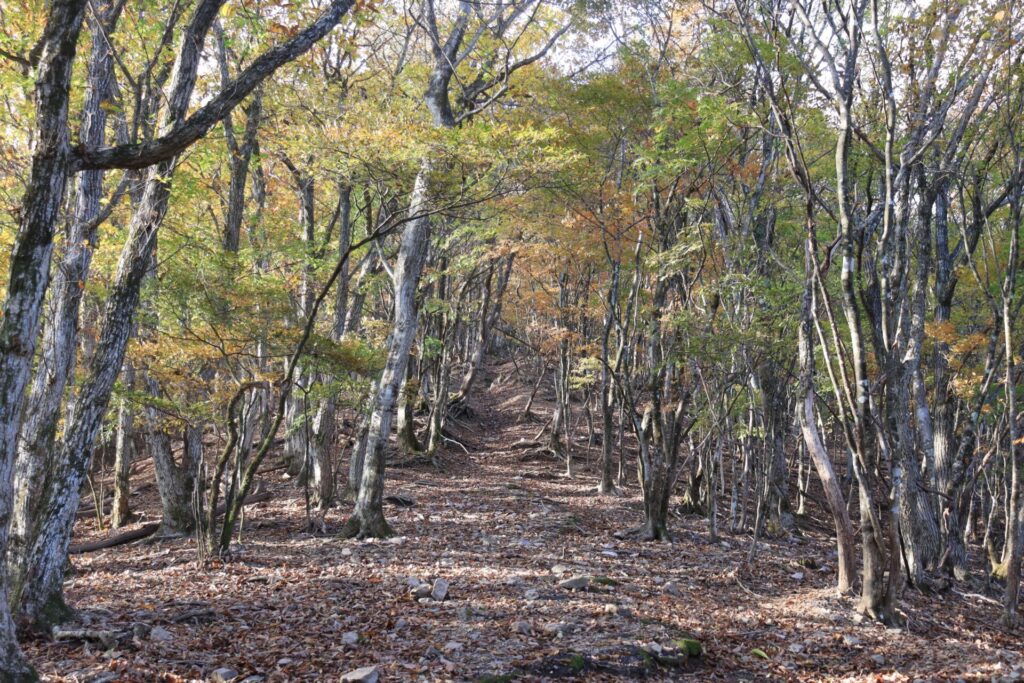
pixel 511 340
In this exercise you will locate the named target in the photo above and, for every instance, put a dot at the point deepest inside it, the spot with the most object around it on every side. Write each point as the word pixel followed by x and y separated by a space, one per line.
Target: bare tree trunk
pixel 367 518
pixel 120 513
pixel 1015 501
pixel 490 314
pixel 607 389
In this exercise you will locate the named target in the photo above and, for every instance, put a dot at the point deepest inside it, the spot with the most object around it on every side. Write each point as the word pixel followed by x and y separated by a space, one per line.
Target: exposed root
pixel 359 527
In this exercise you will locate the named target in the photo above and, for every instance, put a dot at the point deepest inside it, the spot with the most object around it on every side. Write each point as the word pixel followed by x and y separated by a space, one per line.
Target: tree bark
pixel 30 273
pixel 367 518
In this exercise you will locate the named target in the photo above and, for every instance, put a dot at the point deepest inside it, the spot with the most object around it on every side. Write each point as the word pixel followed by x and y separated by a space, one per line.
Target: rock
pixel 523 627
pixel 349 638
pixel 367 674
pixel 561 569
pixel 452 646
pixel 464 612
pixel 346 552
pixel 531 594
pixel 558 628
pixel 160 634
pixel 224 674
pixel 418 589
pixel 878 659
pixel 284 661
pixel 797 576
pixel 440 590
pixel 400 624
pixel 851 641
pixel 670 587
pixel 574 583
pixel 690 646
pixel 796 648
pixel 618 610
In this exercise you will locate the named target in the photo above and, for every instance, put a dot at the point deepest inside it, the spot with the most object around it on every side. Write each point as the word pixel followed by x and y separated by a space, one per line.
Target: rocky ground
pixel 502 570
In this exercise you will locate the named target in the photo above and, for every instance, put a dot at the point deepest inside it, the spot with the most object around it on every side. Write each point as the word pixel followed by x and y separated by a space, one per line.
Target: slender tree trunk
pixel 121 512
pixel 607 484
pixel 846 568
pixel 367 518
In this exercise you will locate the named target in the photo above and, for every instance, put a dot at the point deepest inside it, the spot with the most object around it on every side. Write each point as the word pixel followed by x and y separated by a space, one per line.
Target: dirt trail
pixel 501 529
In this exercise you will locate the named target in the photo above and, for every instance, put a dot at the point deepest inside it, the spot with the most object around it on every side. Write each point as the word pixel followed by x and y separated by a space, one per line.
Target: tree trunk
pixel 120 513
pixel 57 357
pixel 367 518
pixel 41 596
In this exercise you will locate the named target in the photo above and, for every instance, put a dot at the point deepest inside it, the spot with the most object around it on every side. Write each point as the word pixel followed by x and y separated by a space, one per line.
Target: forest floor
pixel 503 528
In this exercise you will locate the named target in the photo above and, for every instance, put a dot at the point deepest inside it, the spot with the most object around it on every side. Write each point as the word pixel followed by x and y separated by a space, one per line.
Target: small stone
pixel 796 648
pixel 452 646
pixel 851 641
pixel 618 610
pixel 367 674
pixel 396 540
pixel 284 661
pixel 421 591
pixel 561 569
pixel 440 590
pixel 609 553
pixel 670 587
pixel 160 634
pixel 346 552
pixel 349 638
pixel 797 576
pixel 558 628
pixel 531 594
pixel 878 659
pixel 224 674
pixel 574 583
pixel 523 627
pixel 400 623
pixel 255 678
pixel 464 612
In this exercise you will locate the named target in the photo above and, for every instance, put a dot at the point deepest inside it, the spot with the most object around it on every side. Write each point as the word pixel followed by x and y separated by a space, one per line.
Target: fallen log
pixel 115 540
pixel 260 497
pixel 146 530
